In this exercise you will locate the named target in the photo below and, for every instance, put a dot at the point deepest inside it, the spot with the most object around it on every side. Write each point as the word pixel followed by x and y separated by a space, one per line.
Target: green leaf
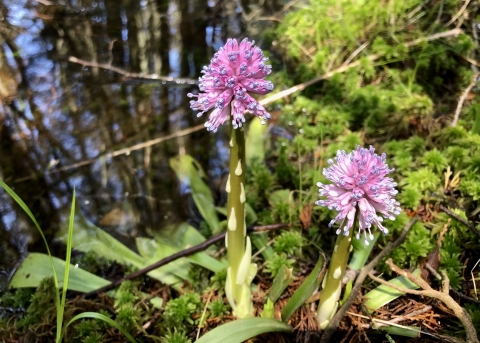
pixel 36 267
pixel 190 173
pixel 361 252
pixel 183 236
pixel 154 251
pixel 95 315
pixel 254 145
pixel 241 330
pixel 88 237
pixel 280 283
pixel 383 294
pixel 406 331
pixel 306 289
pixel 260 241
pixel 282 196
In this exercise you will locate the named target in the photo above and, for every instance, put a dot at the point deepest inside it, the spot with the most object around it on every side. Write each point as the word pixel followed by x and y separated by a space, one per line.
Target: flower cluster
pixel 359 181
pixel 234 71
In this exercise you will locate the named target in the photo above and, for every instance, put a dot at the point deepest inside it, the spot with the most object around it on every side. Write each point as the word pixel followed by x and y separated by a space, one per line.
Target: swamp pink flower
pixel 359 181
pixel 234 71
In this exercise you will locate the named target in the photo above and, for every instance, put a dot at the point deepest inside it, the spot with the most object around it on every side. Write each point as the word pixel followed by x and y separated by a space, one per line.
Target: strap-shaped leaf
pixel 306 289
pixel 240 330
pixel 383 294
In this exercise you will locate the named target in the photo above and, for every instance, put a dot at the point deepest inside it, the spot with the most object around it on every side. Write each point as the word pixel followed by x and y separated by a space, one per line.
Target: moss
pixel 288 242
pixel 179 312
pixel 273 265
pixel 218 308
pixel 42 307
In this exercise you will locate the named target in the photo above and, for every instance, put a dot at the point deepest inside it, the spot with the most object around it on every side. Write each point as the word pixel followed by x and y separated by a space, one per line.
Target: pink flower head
pixel 359 181
pixel 234 71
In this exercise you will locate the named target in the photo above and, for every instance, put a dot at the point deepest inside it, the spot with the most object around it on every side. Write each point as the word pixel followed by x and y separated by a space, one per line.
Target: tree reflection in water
pixel 55 113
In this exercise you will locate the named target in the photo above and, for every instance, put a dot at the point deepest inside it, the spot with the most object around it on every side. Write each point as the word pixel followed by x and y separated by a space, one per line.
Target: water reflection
pixel 64 123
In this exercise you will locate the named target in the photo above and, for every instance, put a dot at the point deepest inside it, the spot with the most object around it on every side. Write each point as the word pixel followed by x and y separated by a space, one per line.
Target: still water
pixel 88 90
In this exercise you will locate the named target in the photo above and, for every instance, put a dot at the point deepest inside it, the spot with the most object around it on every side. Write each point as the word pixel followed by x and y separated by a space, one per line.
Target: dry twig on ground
pixel 428 291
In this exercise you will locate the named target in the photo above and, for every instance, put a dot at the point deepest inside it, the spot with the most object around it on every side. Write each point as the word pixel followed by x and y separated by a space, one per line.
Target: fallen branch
pixel 457 293
pixel 123 151
pixel 186 252
pixel 459 13
pixel 392 323
pixel 332 327
pixel 428 291
pixel 465 222
pixel 167 79
pixel 463 97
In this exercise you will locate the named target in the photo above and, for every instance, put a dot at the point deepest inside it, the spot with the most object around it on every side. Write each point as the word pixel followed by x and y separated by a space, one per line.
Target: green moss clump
pixel 175 336
pixel 128 315
pixel 416 245
pixel 288 242
pixel 273 265
pixel 218 308
pixel 179 312
pixel 42 307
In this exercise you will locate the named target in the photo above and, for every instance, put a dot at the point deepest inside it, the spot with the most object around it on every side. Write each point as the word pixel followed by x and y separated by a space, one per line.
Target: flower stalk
pixel 239 251
pixel 363 196
pixel 332 284
pixel 235 71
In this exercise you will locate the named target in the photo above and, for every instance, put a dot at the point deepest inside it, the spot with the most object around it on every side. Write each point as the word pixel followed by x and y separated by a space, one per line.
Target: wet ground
pixel 87 91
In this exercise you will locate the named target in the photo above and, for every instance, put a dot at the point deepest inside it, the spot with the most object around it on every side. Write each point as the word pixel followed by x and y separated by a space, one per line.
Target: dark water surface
pixel 66 125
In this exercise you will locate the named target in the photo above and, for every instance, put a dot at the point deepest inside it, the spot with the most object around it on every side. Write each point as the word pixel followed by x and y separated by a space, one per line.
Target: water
pixel 68 120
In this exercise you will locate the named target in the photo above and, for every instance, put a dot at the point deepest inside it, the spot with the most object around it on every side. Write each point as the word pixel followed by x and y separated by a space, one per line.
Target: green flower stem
pixel 332 287
pixel 238 291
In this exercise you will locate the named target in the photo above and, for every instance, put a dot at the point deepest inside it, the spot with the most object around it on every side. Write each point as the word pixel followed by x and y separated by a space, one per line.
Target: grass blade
pixel 95 315
pixel 32 217
pixel 61 309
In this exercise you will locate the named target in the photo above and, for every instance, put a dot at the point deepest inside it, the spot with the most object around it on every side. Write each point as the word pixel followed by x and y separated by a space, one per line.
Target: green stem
pixel 332 287
pixel 236 209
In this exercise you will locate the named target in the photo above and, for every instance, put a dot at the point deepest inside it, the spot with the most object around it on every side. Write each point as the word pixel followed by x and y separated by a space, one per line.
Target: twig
pixel 424 309
pixel 457 293
pixel 108 66
pixel 123 151
pixel 461 220
pixel 473 278
pixel 428 291
pixel 440 11
pixel 200 325
pixel 329 331
pixel 355 53
pixel 186 252
pixel 459 13
pixel 302 86
pixel 390 323
pixel 463 97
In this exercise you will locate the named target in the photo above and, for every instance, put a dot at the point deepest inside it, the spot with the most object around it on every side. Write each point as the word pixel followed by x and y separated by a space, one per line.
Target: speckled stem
pixel 236 209
pixel 332 285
